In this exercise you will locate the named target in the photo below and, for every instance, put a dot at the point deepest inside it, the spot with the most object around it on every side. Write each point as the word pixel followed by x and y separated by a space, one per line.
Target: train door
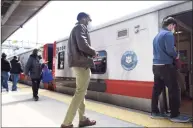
pixel 191 73
pixel 183 41
pixel 183 45
pixel 48 54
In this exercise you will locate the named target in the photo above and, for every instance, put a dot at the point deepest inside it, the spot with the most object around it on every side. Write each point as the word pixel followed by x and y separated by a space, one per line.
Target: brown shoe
pixel 87 122
pixel 69 126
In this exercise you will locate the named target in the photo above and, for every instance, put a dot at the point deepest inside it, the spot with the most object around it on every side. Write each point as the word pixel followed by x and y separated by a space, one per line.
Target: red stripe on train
pixel 54 63
pixel 45 52
pixel 140 89
pixel 54 59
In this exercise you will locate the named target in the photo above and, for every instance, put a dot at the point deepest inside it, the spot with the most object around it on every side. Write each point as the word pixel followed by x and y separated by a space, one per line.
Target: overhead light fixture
pixel 179 32
pixel 34 9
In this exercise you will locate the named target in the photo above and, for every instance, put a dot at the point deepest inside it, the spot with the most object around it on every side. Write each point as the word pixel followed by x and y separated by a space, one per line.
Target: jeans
pixel 15 78
pixel 165 75
pixel 35 87
pixel 1 83
pixel 5 79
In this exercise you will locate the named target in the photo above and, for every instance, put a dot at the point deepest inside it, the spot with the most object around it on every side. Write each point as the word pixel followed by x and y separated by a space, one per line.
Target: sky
pixel 57 19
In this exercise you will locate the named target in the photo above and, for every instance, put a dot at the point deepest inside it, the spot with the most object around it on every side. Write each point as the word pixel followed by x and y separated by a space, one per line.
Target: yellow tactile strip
pixel 116 112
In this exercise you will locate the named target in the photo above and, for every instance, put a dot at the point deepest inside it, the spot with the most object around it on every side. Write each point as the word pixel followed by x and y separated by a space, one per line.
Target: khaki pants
pixel 82 81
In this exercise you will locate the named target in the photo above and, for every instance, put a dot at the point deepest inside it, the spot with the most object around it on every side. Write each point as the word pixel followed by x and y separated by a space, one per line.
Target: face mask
pixel 41 61
pixel 89 26
pixel 173 30
pixel 35 53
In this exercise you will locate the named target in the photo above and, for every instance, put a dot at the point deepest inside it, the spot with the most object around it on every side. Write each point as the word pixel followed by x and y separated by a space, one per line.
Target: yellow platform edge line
pixel 115 112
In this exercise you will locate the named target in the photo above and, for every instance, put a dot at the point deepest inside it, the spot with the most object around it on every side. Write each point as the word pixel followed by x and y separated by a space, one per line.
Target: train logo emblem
pixel 129 60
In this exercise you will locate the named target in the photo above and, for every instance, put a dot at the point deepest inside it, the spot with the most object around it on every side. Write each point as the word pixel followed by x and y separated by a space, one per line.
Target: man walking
pixel 80 55
pixel 33 67
pixel 164 71
pixel 5 69
pixel 16 69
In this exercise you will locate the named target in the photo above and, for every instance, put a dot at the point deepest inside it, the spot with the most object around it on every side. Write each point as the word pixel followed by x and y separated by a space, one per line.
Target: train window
pixel 61 60
pixel 100 63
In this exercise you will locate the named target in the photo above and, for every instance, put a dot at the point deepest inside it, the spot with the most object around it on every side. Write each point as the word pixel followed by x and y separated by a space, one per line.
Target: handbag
pixel 178 63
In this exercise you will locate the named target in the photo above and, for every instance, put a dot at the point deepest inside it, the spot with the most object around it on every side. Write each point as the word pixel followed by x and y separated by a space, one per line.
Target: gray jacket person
pixel 80 52
pixel 33 69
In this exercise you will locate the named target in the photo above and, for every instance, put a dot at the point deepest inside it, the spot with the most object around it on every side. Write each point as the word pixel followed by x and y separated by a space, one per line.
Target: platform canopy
pixel 15 13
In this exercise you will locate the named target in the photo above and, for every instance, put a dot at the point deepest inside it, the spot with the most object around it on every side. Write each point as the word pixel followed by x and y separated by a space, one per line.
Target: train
pixel 123 74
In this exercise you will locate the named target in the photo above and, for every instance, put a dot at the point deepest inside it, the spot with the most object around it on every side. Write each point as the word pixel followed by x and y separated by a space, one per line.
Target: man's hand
pixel 26 77
pixel 96 54
pixel 178 56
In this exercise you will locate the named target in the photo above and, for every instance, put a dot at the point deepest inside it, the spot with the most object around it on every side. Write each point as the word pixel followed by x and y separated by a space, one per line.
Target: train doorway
pixel 183 38
pixel 48 54
pixel 184 45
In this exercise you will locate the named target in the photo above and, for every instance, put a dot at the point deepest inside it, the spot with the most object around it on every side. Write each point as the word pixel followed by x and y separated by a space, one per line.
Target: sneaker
pixel 36 98
pixel 158 116
pixel 180 119
pixel 191 120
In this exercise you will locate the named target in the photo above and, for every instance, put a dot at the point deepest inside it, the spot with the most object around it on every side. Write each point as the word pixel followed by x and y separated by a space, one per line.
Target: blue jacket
pixel 46 75
pixel 163 48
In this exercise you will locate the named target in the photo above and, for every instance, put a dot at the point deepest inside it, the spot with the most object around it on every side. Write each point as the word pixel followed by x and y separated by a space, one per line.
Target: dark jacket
pixel 16 67
pixel 163 48
pixel 80 52
pixel 33 67
pixel 5 65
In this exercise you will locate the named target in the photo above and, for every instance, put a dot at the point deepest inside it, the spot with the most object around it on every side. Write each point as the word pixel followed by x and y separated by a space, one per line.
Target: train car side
pixel 123 70
pixel 127 46
pixel 118 81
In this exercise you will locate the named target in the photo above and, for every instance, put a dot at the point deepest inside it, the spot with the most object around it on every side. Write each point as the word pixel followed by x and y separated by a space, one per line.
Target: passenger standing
pixel 47 77
pixel 16 69
pixel 5 69
pixel 80 55
pixel 164 71
pixel 33 67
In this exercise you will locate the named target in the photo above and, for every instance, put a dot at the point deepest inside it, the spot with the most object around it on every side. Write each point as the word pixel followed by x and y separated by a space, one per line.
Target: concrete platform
pixel 19 110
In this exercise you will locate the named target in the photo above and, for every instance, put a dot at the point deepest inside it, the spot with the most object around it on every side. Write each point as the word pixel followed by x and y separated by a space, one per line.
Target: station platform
pixel 20 110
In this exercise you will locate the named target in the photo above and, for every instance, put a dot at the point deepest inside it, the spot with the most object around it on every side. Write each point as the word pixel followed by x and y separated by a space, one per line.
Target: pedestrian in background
pixel 5 72
pixel 47 78
pixel 16 69
pixel 33 70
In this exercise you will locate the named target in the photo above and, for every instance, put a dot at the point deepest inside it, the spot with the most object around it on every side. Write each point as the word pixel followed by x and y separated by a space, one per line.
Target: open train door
pixel 48 55
pixel 184 45
pixel 54 64
pixel 183 13
pixel 191 90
